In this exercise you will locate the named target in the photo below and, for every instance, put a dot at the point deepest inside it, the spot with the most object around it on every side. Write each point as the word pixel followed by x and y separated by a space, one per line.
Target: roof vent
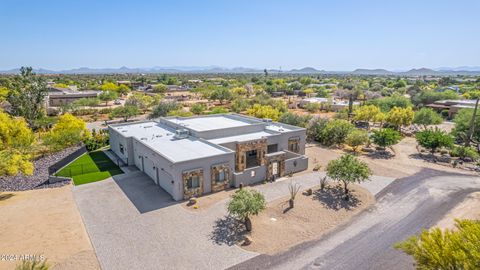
pixel 158 136
pixel 181 133
pixel 143 139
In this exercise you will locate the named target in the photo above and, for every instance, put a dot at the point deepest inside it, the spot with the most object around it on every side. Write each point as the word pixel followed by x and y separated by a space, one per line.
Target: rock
pixel 246 241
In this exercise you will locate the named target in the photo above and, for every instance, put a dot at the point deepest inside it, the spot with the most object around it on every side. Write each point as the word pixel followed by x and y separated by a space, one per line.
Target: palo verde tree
pixel 445 250
pixel 125 112
pixel 400 117
pixel 68 131
pixel 16 138
pixel 348 169
pixel 245 203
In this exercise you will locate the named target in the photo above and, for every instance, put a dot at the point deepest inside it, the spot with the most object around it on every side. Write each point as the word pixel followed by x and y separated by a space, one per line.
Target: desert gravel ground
pixel 45 222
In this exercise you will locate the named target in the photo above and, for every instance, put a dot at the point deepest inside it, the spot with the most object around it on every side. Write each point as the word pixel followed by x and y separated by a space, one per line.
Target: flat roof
pixel 241 138
pixel 205 123
pixel 161 139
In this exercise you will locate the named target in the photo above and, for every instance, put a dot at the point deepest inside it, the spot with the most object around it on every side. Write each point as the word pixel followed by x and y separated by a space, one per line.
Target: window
pixel 220 176
pixel 272 148
pixel 121 149
pixel 293 145
pixel 193 182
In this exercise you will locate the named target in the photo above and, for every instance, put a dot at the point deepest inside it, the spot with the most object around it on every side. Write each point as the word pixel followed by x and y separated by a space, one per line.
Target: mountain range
pixel 464 70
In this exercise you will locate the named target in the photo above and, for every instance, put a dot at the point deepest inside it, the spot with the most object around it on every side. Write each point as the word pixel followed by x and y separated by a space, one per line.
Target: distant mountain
pixel 443 71
pixel 305 70
pixel 419 72
pixel 361 71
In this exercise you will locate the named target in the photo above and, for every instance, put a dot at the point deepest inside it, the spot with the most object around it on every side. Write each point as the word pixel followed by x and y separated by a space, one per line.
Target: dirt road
pixel 403 208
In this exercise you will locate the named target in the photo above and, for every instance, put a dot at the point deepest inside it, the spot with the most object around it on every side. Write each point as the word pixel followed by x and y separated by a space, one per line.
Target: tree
pixel 27 95
pixel 385 137
pixel 126 112
pixel 471 126
pixel 462 122
pixel 221 94
pixel 335 132
pixel 464 152
pixel 433 139
pixel 356 138
pixel 160 88
pixel 245 203
pixel 198 108
pixel 400 117
pixel 388 103
pixel 426 117
pixel 367 113
pixel 444 250
pixel 265 111
pixel 68 131
pixel 3 93
pixel 123 89
pixel 107 96
pixel 163 108
pixel 16 138
pixel 141 101
pixel 315 128
pixel 348 169
pixel 295 119
pixel 109 87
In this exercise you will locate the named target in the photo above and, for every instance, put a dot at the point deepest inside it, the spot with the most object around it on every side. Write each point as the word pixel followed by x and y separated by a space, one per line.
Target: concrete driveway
pixel 134 224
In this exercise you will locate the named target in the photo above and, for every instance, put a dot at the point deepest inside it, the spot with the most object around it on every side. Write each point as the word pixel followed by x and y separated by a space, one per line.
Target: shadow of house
pixel 144 194
pixel 227 231
pixel 333 198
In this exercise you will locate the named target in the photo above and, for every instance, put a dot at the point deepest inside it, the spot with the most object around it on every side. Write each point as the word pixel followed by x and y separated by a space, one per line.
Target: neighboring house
pixel 173 88
pixel 452 106
pixel 192 156
pixel 61 96
pixel 327 103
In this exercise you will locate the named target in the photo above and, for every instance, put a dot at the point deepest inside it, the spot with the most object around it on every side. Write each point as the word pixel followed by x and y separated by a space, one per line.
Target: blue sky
pixel 331 35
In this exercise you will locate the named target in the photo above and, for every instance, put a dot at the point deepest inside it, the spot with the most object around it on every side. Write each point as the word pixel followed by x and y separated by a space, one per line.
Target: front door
pixel 275 168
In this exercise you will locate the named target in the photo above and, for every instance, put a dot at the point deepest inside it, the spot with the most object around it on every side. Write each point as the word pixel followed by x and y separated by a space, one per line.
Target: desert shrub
pixel 464 152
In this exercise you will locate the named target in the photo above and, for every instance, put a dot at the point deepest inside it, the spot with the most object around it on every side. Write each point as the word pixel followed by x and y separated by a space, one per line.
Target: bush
pixel 433 139
pixel 198 108
pixel 312 107
pixel 356 138
pixel 163 108
pixel 294 119
pixel 445 249
pixel 385 137
pixel 97 140
pixel 335 132
pixel 218 110
pixel 315 128
pixel 465 152
pixel 426 117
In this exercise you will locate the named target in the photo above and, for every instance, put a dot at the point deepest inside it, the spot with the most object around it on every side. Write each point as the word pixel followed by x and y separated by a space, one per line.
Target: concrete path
pixel 134 224
pixel 403 209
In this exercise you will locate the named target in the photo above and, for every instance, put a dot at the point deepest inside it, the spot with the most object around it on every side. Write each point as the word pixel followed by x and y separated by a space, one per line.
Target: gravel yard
pixel 40 174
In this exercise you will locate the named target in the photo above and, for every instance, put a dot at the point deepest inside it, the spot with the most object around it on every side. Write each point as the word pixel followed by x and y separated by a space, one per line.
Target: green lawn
pixel 90 167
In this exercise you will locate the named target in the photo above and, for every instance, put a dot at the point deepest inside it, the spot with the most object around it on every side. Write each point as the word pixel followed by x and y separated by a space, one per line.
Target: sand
pixel 45 222
pixel 278 228
pixel 469 208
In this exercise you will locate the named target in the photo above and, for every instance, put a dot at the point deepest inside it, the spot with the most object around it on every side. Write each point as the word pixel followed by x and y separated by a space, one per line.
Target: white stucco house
pixel 191 156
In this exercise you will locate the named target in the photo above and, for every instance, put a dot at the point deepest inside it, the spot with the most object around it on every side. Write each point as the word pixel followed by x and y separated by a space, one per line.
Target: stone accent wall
pixel 191 192
pixel 291 144
pixel 217 186
pixel 281 165
pixel 241 161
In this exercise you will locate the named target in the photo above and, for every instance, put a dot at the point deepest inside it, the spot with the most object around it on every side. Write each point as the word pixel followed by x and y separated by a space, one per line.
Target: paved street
pixel 133 224
pixel 403 209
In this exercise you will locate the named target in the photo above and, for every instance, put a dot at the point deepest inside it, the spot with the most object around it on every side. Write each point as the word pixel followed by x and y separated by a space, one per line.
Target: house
pixel 191 156
pixel 61 96
pixel 452 106
pixel 329 104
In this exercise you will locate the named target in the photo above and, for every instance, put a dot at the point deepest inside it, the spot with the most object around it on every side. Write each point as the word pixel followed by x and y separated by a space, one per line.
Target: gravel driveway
pixel 403 208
